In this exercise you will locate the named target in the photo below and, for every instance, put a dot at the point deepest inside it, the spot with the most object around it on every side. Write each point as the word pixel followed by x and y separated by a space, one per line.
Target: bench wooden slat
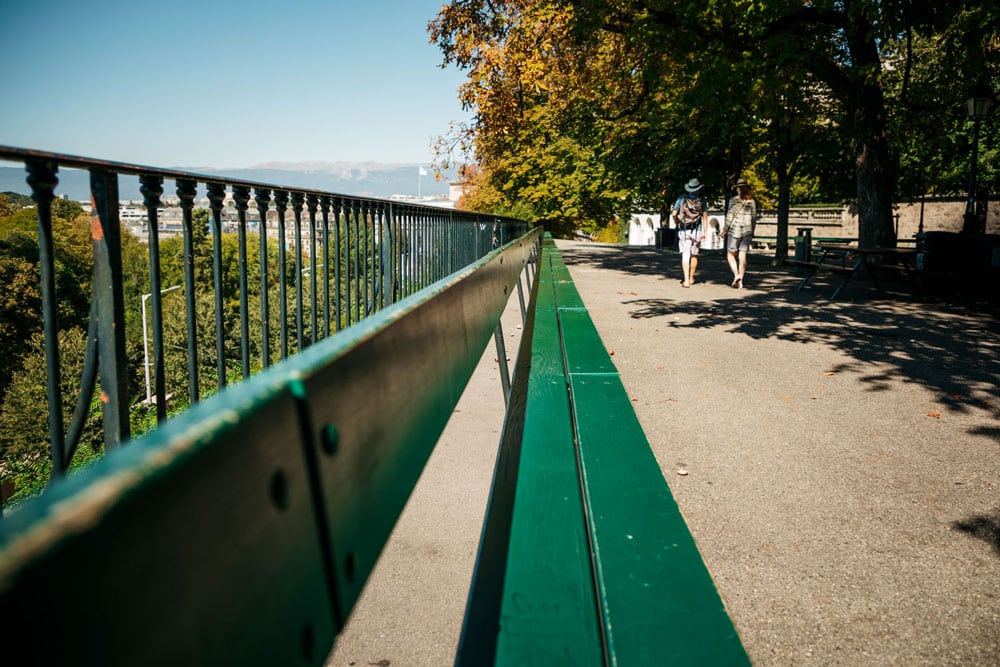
pixel 548 614
pixel 618 578
pixel 661 603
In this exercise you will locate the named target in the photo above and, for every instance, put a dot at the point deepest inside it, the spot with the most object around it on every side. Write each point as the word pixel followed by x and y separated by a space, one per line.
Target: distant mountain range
pixel 364 179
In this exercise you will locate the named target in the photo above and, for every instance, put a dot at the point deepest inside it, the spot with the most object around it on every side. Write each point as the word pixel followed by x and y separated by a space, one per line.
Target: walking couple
pixel 690 213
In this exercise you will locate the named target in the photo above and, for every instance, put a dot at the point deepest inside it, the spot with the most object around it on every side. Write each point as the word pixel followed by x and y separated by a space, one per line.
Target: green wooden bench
pixel 242 531
pixel 585 559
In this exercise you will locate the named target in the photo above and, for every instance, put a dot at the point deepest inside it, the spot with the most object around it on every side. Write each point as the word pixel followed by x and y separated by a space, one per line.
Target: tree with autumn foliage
pixel 642 95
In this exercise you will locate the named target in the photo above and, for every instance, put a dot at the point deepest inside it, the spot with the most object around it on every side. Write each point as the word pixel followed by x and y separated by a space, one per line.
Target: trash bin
pixel 941 252
pixel 803 247
pixel 666 237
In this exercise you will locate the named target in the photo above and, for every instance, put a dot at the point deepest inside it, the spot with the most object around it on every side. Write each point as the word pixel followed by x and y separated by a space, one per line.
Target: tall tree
pixel 653 91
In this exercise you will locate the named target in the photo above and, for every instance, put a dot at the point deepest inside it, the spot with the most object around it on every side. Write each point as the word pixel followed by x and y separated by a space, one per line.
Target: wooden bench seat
pixel 598 566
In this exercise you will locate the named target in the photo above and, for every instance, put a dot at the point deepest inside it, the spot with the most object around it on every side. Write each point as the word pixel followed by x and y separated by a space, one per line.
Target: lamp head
pixel 980 101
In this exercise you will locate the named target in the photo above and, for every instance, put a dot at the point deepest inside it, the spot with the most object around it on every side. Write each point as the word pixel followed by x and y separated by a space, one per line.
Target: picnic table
pixel 848 259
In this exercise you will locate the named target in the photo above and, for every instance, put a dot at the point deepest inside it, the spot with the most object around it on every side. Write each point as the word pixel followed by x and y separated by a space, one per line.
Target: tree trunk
pixel 784 201
pixel 873 170
pixel 873 166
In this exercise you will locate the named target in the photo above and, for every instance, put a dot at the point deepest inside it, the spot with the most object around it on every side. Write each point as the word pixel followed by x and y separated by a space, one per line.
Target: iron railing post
pixel 241 197
pixel 263 198
pixel 281 205
pixel 105 230
pixel 324 203
pixel 312 204
pixel 186 190
pixel 216 196
pixel 338 303
pixel 42 180
pixel 152 189
pixel 297 200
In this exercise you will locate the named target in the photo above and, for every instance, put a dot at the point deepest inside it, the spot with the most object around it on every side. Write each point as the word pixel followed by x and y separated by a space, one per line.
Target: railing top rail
pixel 78 162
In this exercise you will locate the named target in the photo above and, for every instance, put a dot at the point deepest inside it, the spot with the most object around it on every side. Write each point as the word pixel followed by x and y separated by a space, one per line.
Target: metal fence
pixel 320 262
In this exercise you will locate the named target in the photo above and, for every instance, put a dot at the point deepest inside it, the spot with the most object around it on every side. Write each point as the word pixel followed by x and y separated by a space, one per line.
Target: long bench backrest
pixel 242 531
pixel 585 557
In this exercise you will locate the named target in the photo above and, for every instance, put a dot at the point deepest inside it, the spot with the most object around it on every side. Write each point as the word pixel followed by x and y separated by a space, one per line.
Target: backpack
pixel 690 212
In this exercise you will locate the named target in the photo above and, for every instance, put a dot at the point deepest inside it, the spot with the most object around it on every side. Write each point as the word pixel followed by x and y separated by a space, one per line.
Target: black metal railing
pixel 321 262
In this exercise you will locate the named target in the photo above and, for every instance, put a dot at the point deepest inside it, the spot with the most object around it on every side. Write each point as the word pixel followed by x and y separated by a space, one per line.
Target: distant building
pixel 455 190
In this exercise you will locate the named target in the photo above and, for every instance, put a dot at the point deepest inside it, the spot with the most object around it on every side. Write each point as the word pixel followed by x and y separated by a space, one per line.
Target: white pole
pixel 145 345
pixel 145 339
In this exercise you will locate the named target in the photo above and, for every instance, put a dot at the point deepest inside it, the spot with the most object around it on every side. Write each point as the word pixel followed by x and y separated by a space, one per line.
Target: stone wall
pixel 943 215
pixel 938 215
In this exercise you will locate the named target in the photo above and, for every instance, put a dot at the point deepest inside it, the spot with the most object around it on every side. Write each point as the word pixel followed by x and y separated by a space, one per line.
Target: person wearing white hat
pixel 691 217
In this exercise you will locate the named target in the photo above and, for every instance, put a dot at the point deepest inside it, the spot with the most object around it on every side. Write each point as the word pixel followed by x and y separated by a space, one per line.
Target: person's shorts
pixel 689 241
pixel 735 244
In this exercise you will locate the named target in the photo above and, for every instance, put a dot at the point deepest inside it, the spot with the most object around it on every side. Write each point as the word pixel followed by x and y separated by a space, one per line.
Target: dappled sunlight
pixel 948 346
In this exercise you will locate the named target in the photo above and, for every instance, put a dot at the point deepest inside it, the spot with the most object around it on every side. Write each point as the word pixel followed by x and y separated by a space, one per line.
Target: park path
pixel 842 465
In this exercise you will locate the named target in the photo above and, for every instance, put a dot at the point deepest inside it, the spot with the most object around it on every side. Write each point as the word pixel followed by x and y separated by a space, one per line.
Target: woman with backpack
pixel 691 217
pixel 741 218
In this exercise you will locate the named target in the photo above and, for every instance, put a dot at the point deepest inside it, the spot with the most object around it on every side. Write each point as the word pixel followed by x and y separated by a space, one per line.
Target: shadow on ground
pixel 986 528
pixel 947 344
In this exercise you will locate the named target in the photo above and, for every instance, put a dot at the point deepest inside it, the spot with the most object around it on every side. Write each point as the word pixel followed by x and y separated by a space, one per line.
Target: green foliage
pixel 24 440
pixel 20 301
pixel 12 201
pixel 809 101
pixel 66 209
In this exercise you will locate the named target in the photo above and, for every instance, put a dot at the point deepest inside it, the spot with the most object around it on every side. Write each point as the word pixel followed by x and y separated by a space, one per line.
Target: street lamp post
pixel 979 104
pixel 145 339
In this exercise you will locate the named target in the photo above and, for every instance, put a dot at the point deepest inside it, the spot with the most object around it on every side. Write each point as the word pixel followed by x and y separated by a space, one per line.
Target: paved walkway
pixel 843 466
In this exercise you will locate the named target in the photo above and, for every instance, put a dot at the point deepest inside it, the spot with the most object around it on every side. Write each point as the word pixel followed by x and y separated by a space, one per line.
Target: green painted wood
pixel 584 349
pixel 660 603
pixel 389 400
pixel 478 640
pixel 242 531
pixel 602 568
pixel 548 614
pixel 195 546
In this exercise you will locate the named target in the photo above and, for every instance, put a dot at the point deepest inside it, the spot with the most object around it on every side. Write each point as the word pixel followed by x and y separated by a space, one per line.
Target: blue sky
pixel 225 83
